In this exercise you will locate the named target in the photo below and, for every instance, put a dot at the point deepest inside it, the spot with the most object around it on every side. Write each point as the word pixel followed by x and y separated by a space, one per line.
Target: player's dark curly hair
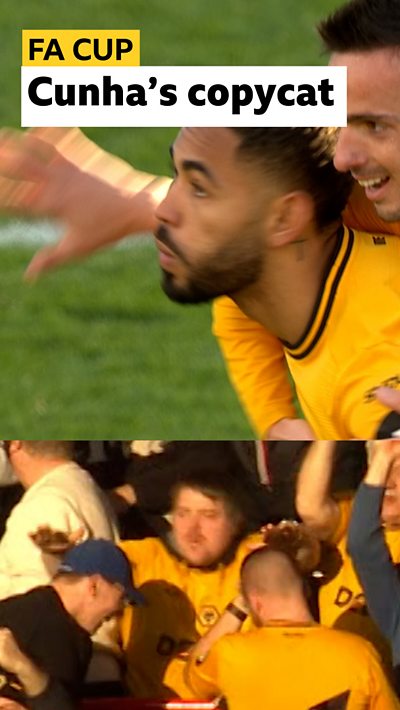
pixel 362 25
pixel 301 158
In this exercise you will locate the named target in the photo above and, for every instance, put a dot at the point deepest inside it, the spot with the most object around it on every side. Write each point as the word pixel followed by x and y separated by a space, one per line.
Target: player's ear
pixel 255 602
pixel 290 215
pixel 13 446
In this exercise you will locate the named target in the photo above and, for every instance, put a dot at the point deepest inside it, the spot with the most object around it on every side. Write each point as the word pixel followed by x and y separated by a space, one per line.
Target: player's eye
pixel 197 189
pixel 374 126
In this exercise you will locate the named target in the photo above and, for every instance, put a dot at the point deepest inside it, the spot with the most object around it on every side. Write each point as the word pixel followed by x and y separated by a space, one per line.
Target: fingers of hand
pixel 23 156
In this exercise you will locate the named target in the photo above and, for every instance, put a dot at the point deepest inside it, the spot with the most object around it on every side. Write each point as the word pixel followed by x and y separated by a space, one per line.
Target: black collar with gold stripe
pixel 325 299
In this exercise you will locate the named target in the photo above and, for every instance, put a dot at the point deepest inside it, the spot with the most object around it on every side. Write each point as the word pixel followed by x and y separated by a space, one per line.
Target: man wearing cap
pixel 52 624
pixel 58 493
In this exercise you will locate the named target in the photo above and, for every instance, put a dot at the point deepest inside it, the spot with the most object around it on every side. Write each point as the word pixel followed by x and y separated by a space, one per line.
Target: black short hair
pixel 362 25
pixel 302 158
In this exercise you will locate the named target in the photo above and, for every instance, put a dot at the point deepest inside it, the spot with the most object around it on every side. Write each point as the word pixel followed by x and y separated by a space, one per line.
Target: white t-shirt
pixel 66 499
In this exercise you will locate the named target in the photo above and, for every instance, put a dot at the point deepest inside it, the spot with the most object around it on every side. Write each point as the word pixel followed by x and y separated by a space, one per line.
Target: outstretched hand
pixel 383 457
pixel 55 542
pixel 59 173
pixel 297 541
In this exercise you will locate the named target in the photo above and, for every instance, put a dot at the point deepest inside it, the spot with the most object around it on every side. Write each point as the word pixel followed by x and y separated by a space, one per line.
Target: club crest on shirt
pixel 208 615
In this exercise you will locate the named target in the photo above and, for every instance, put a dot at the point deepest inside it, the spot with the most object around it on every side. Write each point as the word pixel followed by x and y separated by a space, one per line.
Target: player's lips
pixel 195 540
pixel 374 186
pixel 166 257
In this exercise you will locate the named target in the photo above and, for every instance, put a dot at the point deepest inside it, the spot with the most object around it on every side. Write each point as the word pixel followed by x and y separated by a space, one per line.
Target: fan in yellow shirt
pixel 288 661
pixel 187 583
pixel 341 598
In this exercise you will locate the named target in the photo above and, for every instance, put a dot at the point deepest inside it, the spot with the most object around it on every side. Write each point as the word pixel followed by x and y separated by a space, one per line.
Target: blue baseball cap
pixel 106 559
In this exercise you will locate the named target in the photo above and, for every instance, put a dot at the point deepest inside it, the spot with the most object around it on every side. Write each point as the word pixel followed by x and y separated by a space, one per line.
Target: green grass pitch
pixel 96 350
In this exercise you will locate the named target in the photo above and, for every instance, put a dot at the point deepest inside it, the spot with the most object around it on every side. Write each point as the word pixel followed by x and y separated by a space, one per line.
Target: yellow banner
pixel 71 48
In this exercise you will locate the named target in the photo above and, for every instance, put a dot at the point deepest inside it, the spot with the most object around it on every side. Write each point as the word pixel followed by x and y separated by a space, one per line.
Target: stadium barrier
pixel 138 704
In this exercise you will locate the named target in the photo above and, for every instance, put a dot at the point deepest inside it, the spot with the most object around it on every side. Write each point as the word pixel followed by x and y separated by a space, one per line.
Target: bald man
pixel 324 665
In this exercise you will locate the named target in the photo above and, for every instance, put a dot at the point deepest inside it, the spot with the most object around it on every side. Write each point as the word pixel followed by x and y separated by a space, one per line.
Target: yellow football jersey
pixel 352 344
pixel 183 602
pixel 293 667
pixel 341 600
pixel 354 317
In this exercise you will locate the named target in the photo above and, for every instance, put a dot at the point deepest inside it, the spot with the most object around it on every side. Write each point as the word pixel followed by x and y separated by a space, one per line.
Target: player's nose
pixel 350 153
pixel 167 211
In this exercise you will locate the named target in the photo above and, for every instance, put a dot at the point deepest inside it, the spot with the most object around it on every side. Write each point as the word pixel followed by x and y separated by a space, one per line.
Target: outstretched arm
pixel 201 682
pixel 314 503
pixel 256 366
pixel 366 544
pixel 229 622
pixel 60 173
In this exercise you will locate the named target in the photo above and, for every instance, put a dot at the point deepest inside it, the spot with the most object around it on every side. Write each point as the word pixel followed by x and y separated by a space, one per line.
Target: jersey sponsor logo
pixel 345 597
pixel 393 382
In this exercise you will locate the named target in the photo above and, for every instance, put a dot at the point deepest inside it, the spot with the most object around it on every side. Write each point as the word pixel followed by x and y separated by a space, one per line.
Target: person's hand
pixel 28 677
pixel 11 656
pixel 385 449
pixel 55 542
pixel 389 397
pixel 6 704
pixel 297 541
pixel 290 430
pixel 122 498
pixel 59 173
pixel 143 447
pixel 383 455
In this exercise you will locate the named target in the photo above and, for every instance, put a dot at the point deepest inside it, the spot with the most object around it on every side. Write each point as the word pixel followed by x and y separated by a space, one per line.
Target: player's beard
pixel 229 270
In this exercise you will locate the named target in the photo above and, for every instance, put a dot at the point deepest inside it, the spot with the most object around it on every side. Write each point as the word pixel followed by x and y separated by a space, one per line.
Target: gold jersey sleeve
pixel 256 366
pixel 293 666
pixel 341 599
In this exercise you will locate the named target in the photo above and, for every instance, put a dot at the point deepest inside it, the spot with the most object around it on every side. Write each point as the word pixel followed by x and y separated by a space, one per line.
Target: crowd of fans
pixel 165 570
